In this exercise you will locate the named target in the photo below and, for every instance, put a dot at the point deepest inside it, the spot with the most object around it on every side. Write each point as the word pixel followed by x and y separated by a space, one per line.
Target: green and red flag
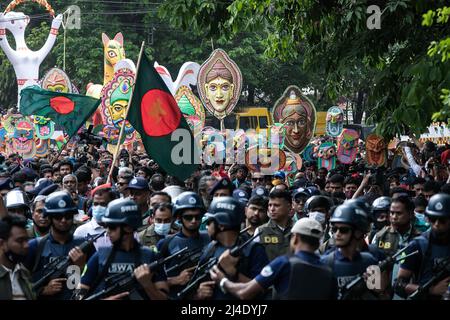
pixel 68 110
pixel 155 114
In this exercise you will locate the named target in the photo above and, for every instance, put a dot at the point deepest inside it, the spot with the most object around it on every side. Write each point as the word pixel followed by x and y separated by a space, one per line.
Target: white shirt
pixel 92 228
pixel 17 292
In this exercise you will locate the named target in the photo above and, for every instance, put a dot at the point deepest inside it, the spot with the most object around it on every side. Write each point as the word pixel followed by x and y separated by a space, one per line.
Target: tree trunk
pixel 359 107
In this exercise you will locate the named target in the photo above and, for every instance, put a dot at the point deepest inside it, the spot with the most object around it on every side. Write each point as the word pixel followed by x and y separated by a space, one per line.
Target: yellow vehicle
pixel 254 118
pixel 321 123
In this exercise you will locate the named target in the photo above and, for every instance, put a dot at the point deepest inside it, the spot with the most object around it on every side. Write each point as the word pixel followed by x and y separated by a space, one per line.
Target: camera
pixel 87 137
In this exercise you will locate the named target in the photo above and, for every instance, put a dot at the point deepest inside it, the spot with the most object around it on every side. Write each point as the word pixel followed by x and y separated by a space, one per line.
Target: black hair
pixel 258 201
pixel 162 206
pixel 336 178
pixel 406 201
pixel 8 222
pixel 420 201
pixel 431 186
pixel 157 182
pixel 397 190
pixel 161 193
pixel 65 163
pixel 446 188
pixel 419 180
pixel 351 180
pixel 284 194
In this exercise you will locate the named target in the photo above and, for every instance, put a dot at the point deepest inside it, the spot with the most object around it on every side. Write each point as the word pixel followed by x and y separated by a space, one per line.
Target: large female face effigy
pixel 219 84
pixel 298 115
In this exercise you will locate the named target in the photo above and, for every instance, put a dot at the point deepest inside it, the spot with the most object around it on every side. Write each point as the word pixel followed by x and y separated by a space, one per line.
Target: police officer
pixel 224 220
pixel 60 209
pixel 122 219
pixel 17 203
pixel 380 215
pixel 301 276
pixel 432 245
pixel 401 230
pixel 222 188
pixel 275 234
pixel 189 210
pixel 160 228
pixel 349 225
pixel 41 224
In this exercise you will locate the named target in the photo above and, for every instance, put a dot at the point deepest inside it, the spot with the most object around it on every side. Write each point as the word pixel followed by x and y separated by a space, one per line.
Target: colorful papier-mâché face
pixel 375 150
pixel 44 127
pixel 326 156
pixel 335 121
pixel 298 115
pixel 347 146
pixel 219 84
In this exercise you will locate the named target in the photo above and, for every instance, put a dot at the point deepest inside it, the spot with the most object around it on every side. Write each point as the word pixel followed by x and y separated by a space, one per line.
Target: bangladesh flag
pixel 65 109
pixel 154 113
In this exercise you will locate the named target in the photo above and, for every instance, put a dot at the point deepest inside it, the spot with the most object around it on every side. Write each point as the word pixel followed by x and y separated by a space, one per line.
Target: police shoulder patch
pixel 266 271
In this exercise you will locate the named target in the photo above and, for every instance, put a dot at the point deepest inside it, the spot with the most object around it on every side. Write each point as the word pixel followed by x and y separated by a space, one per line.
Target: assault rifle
pixel 125 281
pixel 57 267
pixel 358 285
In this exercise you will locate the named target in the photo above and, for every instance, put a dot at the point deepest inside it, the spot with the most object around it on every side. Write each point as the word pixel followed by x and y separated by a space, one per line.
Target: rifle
pixel 440 271
pixel 202 270
pixel 187 259
pixel 126 281
pixel 356 286
pixel 58 267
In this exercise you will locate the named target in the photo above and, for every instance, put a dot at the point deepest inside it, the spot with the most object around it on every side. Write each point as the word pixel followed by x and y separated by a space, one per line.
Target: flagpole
pixel 60 152
pixel 122 129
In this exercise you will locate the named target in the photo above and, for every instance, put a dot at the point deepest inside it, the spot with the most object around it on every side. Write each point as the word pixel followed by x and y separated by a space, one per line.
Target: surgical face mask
pixel 162 229
pixel 318 216
pixel 98 212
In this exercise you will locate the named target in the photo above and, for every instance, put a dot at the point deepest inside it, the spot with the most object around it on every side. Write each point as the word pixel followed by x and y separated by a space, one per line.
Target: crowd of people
pixel 224 233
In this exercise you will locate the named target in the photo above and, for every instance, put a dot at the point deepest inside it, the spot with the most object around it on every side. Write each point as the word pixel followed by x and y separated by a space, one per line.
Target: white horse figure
pixel 25 62
pixel 186 76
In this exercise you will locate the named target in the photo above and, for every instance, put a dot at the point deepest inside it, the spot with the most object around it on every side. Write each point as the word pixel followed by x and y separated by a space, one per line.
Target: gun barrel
pixel 236 251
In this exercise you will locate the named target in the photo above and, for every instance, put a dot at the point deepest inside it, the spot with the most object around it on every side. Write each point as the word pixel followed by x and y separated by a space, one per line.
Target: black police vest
pixel 431 254
pixel 51 251
pixel 123 261
pixel 308 282
pixel 274 240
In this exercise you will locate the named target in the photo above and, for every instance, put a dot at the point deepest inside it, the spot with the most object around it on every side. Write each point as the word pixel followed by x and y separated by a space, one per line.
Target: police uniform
pixel 149 238
pixel 51 250
pixel 251 261
pixel 274 239
pixel 110 261
pixel 123 261
pixel 431 249
pixel 174 243
pixel 45 249
pixel 346 270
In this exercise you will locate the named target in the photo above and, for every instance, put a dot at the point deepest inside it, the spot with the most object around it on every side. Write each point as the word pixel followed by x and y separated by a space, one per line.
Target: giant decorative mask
pixel 219 84
pixel 42 148
pixel 347 146
pixel 56 80
pixel 292 166
pixel 298 115
pixel 375 150
pixel 265 160
pixel 335 121
pixel 308 153
pixel 191 108
pixel 23 139
pixel 44 127
pixel 326 156
pixel 115 96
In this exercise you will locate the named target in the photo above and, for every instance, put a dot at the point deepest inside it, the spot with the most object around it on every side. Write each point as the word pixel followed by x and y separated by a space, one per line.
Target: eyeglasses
pixel 257 179
pixel 342 230
pixel 189 217
pixel 441 220
pixel 122 183
pixel 66 216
